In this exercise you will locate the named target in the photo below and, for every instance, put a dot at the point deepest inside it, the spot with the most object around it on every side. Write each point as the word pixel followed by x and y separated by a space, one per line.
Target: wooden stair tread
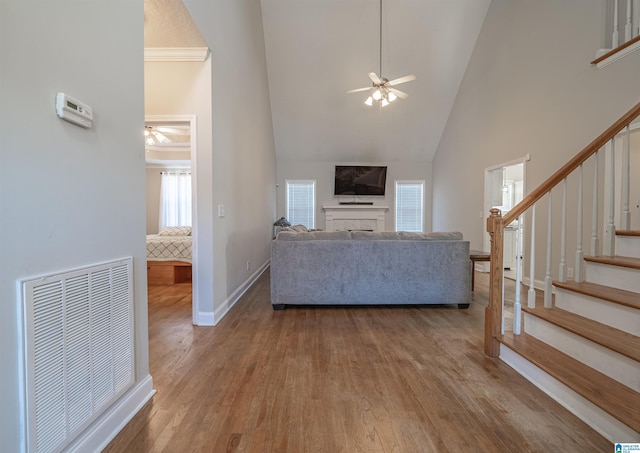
pixel 611 338
pixel 616 399
pixel 623 261
pixel 627 232
pixel 615 295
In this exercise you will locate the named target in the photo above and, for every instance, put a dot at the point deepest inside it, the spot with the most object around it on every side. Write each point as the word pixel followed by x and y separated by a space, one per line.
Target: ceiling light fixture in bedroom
pixel 382 90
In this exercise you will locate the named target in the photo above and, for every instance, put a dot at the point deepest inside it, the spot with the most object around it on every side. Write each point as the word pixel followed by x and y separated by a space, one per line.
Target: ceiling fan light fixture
pixel 383 93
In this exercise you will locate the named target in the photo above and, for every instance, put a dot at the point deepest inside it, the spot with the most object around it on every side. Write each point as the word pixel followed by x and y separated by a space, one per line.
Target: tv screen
pixel 360 180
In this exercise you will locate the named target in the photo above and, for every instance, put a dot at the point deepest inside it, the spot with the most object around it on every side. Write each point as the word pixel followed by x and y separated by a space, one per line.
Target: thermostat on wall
pixel 74 111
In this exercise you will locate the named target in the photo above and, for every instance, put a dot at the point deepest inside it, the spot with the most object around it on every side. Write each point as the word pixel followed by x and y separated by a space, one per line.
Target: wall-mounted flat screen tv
pixel 360 180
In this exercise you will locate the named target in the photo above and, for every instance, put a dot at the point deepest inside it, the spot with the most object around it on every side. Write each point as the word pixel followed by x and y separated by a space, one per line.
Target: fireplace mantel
pixel 355 217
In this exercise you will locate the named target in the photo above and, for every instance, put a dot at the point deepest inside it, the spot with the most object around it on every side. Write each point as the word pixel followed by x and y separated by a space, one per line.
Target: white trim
pixel 111 422
pixel 224 308
pixel 608 426
pixel 176 53
pixel 616 56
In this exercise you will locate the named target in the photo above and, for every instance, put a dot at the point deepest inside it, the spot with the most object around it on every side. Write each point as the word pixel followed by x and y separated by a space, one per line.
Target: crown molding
pixel 176 53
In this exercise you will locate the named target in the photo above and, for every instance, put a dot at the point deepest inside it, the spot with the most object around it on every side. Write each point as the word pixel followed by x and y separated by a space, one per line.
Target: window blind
pixel 301 203
pixel 409 206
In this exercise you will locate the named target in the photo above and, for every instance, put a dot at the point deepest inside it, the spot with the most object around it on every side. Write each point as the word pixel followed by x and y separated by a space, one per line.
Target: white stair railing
pixel 560 180
pixel 630 12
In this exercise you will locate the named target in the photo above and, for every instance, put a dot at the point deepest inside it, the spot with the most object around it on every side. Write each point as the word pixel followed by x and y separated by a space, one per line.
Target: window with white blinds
pixel 301 203
pixel 409 206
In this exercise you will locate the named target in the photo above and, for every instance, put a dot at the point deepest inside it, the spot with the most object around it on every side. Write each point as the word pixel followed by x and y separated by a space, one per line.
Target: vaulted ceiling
pixel 317 50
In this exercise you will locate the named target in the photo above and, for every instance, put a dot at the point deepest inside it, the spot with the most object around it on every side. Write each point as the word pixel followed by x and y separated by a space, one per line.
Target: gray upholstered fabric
pixel 375 235
pixel 363 272
pixel 434 236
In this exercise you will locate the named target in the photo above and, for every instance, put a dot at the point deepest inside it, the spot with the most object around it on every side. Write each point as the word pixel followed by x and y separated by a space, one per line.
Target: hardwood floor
pixel 337 379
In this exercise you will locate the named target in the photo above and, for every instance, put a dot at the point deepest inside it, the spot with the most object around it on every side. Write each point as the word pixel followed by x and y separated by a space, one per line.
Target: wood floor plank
pixel 338 379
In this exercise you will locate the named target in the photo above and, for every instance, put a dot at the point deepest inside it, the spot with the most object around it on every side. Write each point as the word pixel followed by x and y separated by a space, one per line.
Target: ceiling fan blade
pixel 407 78
pixel 161 137
pixel 359 89
pixel 374 78
pixel 170 130
pixel 400 94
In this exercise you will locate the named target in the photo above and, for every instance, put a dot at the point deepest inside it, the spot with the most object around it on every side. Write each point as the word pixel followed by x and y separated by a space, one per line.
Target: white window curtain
pixel 409 206
pixel 301 203
pixel 175 199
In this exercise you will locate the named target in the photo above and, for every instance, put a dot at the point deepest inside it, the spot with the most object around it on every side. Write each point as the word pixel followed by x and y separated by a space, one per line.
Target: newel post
pixel 493 312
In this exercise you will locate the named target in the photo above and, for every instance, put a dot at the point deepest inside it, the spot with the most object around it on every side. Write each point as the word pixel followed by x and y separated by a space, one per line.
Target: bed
pixel 169 256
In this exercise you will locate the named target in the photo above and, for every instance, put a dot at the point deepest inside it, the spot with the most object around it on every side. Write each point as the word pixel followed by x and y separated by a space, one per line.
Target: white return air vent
pixel 78 357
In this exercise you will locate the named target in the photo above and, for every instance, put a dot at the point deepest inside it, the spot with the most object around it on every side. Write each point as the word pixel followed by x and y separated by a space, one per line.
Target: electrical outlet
pixel 220 210
pixel 248 265
pixel 569 272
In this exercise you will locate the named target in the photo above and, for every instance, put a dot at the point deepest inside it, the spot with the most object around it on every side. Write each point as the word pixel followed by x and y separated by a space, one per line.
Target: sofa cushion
pixel 434 236
pixel 313 235
pixel 375 235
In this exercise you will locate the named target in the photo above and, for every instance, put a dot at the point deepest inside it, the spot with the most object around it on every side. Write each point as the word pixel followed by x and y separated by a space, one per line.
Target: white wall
pixel 69 197
pixel 529 88
pixel 323 173
pixel 243 156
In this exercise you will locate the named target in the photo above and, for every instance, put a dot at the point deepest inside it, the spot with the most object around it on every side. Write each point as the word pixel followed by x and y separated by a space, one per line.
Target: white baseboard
pixel 97 436
pixel 606 425
pixel 224 308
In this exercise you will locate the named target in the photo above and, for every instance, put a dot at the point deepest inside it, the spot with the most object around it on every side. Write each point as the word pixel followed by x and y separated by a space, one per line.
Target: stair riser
pixel 601 421
pixel 608 362
pixel 628 246
pixel 618 316
pixel 614 276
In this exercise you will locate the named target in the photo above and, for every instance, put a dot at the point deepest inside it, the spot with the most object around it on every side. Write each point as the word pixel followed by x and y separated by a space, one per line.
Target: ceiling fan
pixel 382 89
pixel 157 135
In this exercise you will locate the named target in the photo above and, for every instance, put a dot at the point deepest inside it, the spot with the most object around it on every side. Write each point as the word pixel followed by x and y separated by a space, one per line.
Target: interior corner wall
pixel 529 88
pixel 323 174
pixel 243 154
pixel 69 196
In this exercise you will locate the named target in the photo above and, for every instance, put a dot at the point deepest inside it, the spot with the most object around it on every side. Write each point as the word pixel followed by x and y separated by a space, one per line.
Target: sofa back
pixel 370 268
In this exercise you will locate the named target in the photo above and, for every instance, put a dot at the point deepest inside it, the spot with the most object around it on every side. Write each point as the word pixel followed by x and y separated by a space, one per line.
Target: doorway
pixel 504 189
pixel 176 152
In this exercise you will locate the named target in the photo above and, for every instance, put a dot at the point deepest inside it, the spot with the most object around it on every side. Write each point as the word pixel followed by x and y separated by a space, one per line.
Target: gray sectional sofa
pixel 369 268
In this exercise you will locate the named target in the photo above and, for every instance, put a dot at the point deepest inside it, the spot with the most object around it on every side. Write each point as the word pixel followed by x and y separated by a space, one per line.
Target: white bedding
pixel 169 248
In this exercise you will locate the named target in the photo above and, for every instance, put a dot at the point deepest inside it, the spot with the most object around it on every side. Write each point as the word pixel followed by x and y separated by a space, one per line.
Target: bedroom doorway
pixel 170 146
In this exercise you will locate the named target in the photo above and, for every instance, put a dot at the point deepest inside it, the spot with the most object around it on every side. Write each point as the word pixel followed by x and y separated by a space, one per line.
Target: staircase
pixel 580 340
pixel 588 345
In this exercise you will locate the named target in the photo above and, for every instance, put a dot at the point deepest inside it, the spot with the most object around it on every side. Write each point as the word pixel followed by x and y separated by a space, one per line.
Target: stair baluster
pixel 577 276
pixel 595 240
pixel 563 235
pixel 547 278
pixel 625 215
